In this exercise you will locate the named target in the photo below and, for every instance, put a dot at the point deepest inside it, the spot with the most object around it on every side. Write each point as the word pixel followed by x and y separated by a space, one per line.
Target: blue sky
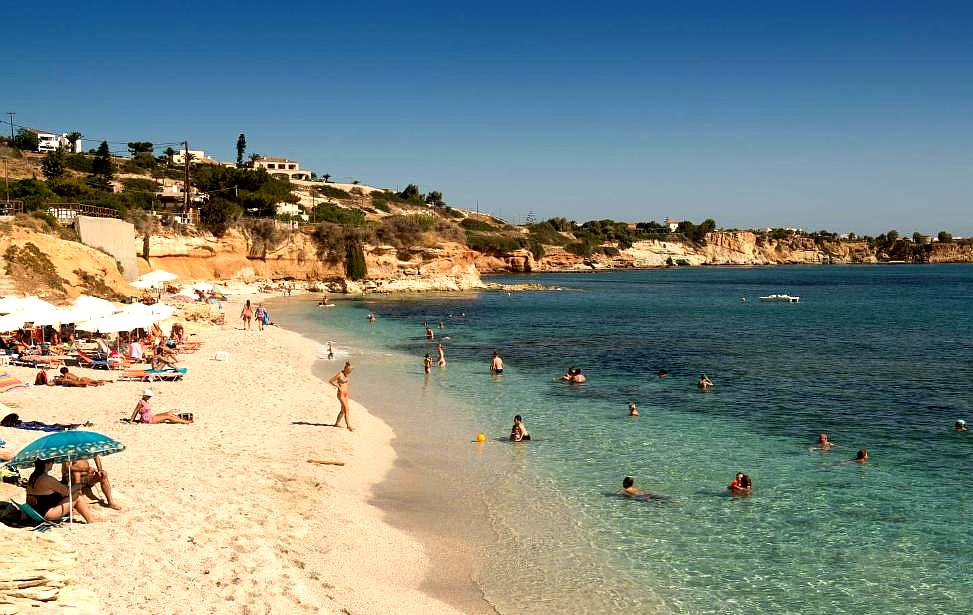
pixel 846 116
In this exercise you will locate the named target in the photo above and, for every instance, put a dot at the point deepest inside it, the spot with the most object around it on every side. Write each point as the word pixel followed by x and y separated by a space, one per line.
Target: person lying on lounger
pixel 67 379
pixel 143 410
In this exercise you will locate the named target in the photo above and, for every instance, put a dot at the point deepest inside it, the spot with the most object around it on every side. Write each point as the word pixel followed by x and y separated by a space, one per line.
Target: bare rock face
pixel 237 255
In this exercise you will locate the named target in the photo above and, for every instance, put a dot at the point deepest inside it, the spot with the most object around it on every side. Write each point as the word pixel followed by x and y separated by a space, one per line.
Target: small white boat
pixel 780 299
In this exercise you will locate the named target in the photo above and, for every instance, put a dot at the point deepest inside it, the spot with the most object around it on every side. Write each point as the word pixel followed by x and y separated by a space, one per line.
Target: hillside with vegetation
pixel 252 224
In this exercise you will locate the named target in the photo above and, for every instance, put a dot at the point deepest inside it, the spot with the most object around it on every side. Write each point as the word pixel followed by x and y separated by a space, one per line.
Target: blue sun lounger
pixel 33 515
pixel 171 373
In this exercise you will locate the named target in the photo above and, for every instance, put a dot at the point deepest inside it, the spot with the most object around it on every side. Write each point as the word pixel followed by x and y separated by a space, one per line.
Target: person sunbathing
pixel 50 498
pixel 143 410
pixel 67 379
pixel 85 476
pixel 164 357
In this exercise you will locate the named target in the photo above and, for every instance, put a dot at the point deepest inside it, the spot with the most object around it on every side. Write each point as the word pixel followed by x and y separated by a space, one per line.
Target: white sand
pixel 226 515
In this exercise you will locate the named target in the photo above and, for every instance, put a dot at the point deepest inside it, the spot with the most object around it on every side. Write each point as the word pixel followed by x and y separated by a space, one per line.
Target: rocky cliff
pixel 720 248
pixel 296 255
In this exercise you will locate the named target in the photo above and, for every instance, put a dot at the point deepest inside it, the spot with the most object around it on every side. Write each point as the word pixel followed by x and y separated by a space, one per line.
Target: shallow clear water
pixel 880 357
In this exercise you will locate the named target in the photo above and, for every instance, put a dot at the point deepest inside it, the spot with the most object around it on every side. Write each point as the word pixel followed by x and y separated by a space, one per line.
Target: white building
pixel 281 168
pixel 291 209
pixel 49 142
pixel 195 156
pixel 672 223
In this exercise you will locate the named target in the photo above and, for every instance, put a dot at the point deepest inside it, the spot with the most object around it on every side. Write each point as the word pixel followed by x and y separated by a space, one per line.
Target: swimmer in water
pixel 662 374
pixel 518 433
pixel 427 363
pixel 429 334
pixel 496 365
pixel 960 425
pixel 860 457
pixel 629 488
pixel 704 382
pixel 632 409
pixel 823 442
pixel 741 485
pixel 442 325
pixel 442 355
pixel 371 317
pixel 568 375
pixel 578 377
pixel 330 350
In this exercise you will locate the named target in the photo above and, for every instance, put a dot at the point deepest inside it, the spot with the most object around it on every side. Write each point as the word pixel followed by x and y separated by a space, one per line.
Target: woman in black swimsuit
pixel 50 497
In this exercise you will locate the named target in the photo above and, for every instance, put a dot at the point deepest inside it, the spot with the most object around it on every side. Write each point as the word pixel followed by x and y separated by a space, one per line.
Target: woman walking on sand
pixel 340 382
pixel 247 315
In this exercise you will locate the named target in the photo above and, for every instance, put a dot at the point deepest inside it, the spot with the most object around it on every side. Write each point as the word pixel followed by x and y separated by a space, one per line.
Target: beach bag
pixel 41 378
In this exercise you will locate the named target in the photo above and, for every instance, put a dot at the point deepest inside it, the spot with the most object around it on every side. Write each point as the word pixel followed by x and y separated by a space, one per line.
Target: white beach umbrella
pixel 203 286
pixel 49 316
pixel 10 322
pixel 86 307
pixel 144 284
pixel 158 276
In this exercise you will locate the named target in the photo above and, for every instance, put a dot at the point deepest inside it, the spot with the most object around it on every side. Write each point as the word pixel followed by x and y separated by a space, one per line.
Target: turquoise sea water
pixel 881 357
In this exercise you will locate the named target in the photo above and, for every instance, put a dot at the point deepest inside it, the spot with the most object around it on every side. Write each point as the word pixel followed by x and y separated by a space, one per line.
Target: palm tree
pixel 73 138
pixel 254 158
pixel 326 177
pixel 169 152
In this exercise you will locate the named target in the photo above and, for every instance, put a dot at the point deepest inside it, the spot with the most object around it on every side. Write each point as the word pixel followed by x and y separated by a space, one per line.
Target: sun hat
pixel 147 393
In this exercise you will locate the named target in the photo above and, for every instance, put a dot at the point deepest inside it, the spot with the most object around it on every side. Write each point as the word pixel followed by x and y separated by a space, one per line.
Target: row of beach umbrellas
pixel 87 313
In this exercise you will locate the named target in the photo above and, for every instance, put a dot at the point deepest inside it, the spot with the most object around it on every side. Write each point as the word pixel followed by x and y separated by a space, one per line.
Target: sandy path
pixel 226 515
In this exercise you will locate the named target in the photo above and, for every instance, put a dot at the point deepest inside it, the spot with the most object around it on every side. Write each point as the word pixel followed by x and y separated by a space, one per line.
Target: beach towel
pixel 8 383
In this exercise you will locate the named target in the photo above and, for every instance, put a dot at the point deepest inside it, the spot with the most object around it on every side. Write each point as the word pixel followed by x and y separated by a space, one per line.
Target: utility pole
pixel 11 114
pixel 185 185
pixel 6 182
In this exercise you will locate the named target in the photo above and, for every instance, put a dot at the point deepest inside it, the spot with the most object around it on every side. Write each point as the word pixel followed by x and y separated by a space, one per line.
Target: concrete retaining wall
pixel 114 237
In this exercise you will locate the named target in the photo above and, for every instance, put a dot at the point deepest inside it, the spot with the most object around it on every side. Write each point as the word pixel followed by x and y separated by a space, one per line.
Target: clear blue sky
pixel 846 116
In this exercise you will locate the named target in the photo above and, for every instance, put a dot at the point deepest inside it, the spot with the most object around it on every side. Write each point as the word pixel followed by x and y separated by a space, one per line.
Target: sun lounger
pixel 170 374
pixel 135 375
pixel 43 524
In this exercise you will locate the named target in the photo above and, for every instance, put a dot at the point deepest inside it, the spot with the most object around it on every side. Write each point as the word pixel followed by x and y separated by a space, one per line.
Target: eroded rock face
pixel 236 255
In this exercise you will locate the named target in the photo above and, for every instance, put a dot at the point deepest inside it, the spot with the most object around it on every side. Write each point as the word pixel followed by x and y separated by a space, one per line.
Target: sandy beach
pixel 227 515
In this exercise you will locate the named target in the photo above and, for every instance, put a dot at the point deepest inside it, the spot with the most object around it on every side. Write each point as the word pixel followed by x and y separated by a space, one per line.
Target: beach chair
pixel 94 362
pixel 42 524
pixel 168 375
pixel 135 375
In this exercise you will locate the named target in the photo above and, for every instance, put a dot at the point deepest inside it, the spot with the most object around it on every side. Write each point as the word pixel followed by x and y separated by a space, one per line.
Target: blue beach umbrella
pixel 66 446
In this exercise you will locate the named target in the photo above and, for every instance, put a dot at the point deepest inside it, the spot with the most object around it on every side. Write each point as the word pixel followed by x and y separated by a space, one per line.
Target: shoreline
pixel 226 514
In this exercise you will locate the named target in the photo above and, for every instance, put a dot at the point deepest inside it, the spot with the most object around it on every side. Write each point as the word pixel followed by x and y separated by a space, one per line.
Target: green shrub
pixel 33 263
pixel 138 184
pixel 328 212
pixel 494 243
pixel 610 251
pixel 218 215
pixel 382 206
pixel 477 225
pixel 78 162
pixel 579 248
pixel 334 193
pixel 545 233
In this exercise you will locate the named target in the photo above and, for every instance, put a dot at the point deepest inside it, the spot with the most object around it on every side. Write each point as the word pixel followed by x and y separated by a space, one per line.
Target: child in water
pixel 427 362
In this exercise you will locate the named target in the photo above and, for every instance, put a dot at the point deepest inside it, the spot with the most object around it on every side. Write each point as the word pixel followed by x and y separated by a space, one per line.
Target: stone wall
pixel 112 236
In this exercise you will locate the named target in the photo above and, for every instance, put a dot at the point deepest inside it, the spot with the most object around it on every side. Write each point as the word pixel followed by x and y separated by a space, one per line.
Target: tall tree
pixel 53 165
pixel 101 168
pixel 254 158
pixel 326 177
pixel 241 148
pixel 944 236
pixel 140 147
pixel 73 138
pixel 26 140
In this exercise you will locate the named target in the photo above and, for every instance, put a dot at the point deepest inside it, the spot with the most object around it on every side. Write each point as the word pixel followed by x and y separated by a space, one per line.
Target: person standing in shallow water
pixel 427 363
pixel 442 355
pixel 632 409
pixel 340 382
pixel 496 365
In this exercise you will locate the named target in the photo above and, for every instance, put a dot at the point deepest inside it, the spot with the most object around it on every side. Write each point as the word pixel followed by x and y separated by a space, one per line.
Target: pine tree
pixel 101 168
pixel 355 267
pixel 241 148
